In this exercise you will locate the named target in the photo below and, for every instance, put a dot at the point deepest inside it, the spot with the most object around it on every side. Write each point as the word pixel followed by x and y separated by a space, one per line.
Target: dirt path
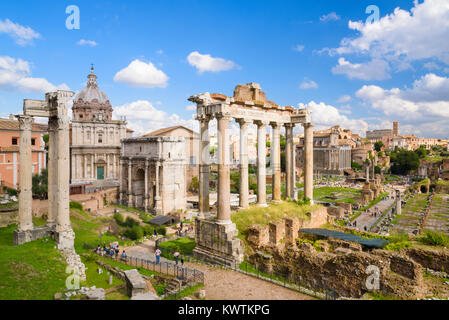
pixel 223 284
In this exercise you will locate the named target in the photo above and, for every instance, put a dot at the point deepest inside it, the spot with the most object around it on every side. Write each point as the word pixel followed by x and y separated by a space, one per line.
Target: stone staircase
pixel 173 286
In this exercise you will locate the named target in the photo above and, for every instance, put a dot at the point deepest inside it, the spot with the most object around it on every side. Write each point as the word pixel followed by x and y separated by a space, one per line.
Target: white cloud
pixel 308 84
pixel 15 76
pixel 160 52
pixel 143 75
pixel 191 107
pixel 344 98
pixel 143 117
pixel 426 103
pixel 330 17
pixel 22 35
pixel 325 116
pixel 374 70
pixel 431 66
pixel 403 36
pixel 299 48
pixel 84 42
pixel 205 62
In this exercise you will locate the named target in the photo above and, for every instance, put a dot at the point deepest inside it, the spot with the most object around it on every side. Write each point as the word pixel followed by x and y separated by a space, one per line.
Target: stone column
pixel 367 172
pixel 92 166
pixel 121 184
pixel 157 199
pixel 372 169
pixel 276 158
pixel 85 168
pixel 146 185
pixel 63 169
pixel 295 193
pixel 244 184
pixel 224 188
pixel 25 175
pixel 52 173
pixel 289 164
pixel 203 188
pixel 308 161
pixel 261 163
pixel 130 183
pixel 398 202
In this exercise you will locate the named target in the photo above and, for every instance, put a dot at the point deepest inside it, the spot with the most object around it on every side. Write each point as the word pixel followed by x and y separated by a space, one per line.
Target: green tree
pixel 378 145
pixel 194 184
pixel 422 152
pixel 404 161
pixel 40 184
pixel 355 166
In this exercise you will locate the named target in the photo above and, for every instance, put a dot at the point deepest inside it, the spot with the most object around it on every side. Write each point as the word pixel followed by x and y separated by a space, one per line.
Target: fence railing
pixel 180 272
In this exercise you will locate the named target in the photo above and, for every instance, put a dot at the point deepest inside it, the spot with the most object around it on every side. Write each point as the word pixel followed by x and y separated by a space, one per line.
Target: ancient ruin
pixel 58 226
pixel 216 238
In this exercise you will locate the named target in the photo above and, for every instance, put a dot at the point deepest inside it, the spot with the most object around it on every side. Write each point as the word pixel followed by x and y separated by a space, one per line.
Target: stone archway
pixel 138 185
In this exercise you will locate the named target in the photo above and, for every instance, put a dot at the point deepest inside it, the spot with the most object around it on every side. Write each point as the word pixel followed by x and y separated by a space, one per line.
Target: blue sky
pixel 150 56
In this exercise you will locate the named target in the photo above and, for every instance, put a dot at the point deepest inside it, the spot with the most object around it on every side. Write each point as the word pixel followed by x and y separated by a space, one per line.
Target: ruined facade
pixel 248 105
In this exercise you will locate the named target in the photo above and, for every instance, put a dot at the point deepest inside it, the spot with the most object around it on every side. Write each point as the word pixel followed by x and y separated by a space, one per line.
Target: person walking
pixel 158 255
pixel 176 256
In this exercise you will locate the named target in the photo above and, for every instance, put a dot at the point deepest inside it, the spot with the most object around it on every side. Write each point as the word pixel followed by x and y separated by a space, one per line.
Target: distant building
pixel 331 151
pixel 9 151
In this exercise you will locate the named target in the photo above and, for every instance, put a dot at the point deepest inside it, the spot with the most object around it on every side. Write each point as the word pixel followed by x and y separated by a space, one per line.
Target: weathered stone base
pixel 65 239
pixel 21 237
pixel 217 243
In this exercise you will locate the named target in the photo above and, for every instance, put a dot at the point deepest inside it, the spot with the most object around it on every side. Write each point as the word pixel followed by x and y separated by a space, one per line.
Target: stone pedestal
pixel 65 239
pixel 21 237
pixel 217 243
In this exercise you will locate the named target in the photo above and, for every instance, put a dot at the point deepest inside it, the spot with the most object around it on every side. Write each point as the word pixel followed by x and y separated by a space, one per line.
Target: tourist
pixel 124 256
pixel 117 250
pixel 181 225
pixel 158 255
pixel 176 256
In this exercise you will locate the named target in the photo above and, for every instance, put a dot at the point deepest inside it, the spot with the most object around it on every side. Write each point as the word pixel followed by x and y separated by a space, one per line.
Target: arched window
pixel 100 138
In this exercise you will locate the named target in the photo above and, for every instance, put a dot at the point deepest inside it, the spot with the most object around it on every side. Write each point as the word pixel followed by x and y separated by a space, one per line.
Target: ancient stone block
pixel 135 284
pixel 291 229
pixel 276 232
pixel 258 235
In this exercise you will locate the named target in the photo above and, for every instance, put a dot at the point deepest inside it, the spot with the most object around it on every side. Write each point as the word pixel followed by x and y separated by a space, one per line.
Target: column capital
pixel 25 122
pixel 308 125
pixel 275 124
pixel 289 125
pixel 243 122
pixel 261 123
pixel 223 116
pixel 203 118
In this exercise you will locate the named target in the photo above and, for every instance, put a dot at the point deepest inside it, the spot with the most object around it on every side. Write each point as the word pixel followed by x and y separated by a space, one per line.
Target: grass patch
pixel 274 212
pixel 184 245
pixel 434 238
pixel 32 271
pixel 189 291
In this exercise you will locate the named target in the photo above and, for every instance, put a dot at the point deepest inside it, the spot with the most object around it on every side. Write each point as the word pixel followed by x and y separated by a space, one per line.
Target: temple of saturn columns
pixel 54 107
pixel 216 236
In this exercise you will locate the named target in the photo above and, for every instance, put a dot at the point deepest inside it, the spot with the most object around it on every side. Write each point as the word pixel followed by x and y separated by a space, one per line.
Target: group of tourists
pixel 112 251
pixel 176 256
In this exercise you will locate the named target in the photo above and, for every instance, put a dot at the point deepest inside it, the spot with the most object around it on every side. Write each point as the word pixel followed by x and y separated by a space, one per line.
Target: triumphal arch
pixel 54 107
pixel 216 237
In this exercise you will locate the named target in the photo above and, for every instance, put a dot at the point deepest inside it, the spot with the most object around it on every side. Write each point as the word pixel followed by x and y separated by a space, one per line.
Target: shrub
pixel 76 205
pixel 162 230
pixel 130 222
pixel 134 233
pixel 119 218
pixel 11 191
pixel 148 230
pixel 434 238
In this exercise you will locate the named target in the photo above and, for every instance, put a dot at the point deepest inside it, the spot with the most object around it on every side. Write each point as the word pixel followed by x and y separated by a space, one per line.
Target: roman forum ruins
pixel 248 105
pixel 54 107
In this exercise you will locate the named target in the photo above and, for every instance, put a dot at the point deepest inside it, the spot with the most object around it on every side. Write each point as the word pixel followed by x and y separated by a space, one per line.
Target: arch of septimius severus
pixel 216 238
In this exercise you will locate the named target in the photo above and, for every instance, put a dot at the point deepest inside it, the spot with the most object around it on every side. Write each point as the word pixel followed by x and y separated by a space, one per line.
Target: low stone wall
pixel 437 260
pixel 346 272
pixel 286 230
pixel 8 218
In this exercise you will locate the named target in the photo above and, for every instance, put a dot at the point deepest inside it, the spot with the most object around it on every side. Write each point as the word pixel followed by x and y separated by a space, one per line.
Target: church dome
pixel 92 104
pixel 91 92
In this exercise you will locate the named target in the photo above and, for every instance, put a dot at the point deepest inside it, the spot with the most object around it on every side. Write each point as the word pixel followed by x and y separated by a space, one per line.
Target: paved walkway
pixel 223 284
pixel 366 219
